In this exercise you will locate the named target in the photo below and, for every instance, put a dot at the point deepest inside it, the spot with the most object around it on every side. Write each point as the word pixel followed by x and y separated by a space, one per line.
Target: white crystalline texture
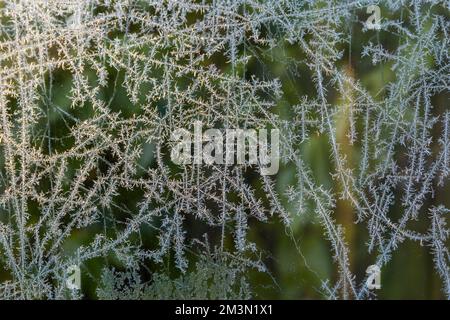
pixel 91 90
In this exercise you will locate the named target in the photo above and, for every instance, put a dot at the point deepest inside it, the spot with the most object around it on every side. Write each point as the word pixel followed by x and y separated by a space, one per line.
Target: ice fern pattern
pixel 90 91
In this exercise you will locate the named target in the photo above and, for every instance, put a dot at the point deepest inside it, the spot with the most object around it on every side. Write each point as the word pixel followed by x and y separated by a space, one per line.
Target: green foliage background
pixel 298 257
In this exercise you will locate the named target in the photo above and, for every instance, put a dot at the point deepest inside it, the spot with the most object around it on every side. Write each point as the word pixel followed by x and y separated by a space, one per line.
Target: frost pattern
pixel 71 154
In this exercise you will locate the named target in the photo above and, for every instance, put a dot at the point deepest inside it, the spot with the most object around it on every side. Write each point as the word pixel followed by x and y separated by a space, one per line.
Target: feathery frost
pixel 90 91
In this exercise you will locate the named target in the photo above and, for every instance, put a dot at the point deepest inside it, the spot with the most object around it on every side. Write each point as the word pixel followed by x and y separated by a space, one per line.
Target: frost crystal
pixel 91 90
